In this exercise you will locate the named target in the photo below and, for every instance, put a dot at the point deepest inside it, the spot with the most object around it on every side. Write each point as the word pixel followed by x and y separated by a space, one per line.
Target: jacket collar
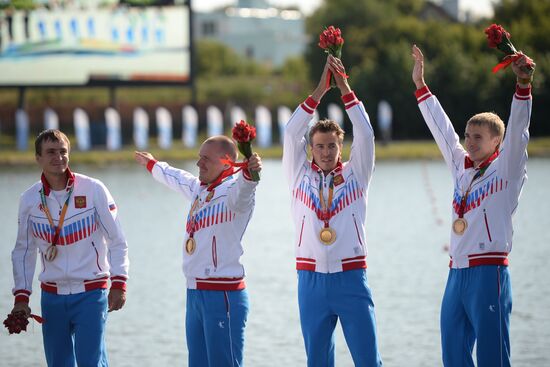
pixel 46 184
pixel 468 163
pixel 225 173
pixel 336 169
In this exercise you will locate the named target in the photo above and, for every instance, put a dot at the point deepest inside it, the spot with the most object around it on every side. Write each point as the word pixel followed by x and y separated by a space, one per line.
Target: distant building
pixel 255 29
pixel 432 11
pixel 459 12
pixel 452 8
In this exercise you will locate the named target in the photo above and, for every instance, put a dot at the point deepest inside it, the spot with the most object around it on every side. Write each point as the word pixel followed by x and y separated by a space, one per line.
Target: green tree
pixel 378 38
pixel 529 24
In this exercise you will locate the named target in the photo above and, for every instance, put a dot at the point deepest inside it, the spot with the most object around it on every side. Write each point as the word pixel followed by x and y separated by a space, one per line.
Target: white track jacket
pixel 222 216
pixel 91 246
pixel 493 198
pixel 349 204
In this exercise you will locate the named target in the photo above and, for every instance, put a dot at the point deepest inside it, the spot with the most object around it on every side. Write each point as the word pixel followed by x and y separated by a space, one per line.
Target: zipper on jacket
pixel 357 230
pixel 43 263
pixel 301 231
pixel 487 225
pixel 214 253
pixel 96 256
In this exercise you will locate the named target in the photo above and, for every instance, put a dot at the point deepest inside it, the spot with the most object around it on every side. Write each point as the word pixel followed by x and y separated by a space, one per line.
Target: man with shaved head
pixel 222 202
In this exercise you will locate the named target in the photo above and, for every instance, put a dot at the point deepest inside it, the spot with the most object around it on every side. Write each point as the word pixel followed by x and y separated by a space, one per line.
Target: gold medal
pixel 327 236
pixel 51 253
pixel 459 226
pixel 190 245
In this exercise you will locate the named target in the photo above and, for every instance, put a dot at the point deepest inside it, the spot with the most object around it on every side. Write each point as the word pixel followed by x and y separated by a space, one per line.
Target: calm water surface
pixel 407 231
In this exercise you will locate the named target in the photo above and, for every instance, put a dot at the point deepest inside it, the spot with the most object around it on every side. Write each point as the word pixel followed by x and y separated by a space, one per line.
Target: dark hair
pixel 326 126
pixel 50 135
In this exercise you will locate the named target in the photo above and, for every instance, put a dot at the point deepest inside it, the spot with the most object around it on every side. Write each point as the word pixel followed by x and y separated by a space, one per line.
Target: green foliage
pixel 295 68
pixel 215 59
pixel 18 4
pixel 378 39
pixel 226 77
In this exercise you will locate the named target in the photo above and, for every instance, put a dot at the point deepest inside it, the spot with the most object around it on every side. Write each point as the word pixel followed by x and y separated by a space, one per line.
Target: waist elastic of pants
pixel 352 263
pixel 216 284
pixel 74 286
pixel 487 258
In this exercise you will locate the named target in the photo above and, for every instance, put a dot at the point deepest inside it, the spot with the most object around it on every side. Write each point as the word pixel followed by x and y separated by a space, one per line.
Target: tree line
pixel 378 38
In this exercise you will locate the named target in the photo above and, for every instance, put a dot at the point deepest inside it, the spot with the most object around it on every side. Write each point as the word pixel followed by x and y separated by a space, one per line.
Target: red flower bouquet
pixel 17 322
pixel 243 134
pixel 497 37
pixel 331 41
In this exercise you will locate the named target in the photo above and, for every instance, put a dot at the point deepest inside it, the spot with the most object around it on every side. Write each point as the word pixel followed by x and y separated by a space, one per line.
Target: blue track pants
pixel 214 324
pixel 476 307
pixel 74 328
pixel 325 298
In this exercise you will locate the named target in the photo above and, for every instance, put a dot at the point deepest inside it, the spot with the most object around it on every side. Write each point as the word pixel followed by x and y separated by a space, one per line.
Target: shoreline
pixel 396 150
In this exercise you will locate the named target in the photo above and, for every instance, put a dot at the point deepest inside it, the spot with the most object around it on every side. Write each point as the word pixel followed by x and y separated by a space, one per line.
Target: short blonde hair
pixel 491 120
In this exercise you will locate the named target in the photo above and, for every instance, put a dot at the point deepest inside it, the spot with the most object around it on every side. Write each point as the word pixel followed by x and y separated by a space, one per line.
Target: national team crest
pixel 80 202
pixel 338 180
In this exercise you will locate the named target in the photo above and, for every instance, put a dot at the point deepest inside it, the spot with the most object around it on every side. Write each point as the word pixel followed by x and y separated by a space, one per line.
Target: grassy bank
pixel 400 150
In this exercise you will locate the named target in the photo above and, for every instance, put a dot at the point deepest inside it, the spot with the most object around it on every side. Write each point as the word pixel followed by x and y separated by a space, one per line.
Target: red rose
pixel 330 39
pixel 497 37
pixel 243 133
pixel 322 43
pixel 16 322
pixel 494 35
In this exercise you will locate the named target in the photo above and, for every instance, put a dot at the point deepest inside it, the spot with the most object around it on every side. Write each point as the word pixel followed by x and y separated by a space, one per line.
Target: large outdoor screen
pixel 111 45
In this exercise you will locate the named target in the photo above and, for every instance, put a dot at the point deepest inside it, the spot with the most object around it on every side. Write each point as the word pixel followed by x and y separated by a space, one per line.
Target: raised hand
pixel 338 71
pixel 321 89
pixel 523 67
pixel 255 163
pixel 143 157
pixel 418 69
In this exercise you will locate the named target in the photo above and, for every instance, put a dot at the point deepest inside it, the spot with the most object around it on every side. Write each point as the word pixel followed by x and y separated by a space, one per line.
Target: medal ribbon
pixel 326 213
pixel 481 171
pixel 61 216
pixel 192 216
pixel 225 174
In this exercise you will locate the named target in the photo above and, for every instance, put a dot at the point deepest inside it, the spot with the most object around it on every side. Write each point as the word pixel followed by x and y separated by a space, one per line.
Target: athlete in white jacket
pixel 70 221
pixel 488 175
pixel 222 203
pixel 329 202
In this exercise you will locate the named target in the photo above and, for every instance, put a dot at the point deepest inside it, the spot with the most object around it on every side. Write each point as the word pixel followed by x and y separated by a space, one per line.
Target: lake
pixel 408 227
